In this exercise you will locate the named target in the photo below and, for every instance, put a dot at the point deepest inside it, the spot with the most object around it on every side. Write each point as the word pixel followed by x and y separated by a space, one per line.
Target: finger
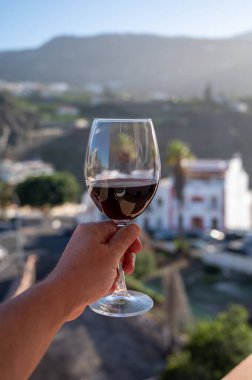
pixel 115 283
pixel 128 263
pixel 136 246
pixel 113 288
pixel 123 239
pixel 103 230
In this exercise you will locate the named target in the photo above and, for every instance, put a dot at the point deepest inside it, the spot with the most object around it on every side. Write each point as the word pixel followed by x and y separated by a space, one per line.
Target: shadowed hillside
pixel 15 124
pixel 211 131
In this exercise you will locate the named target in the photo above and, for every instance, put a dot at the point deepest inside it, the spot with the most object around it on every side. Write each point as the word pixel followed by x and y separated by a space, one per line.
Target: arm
pixel 86 271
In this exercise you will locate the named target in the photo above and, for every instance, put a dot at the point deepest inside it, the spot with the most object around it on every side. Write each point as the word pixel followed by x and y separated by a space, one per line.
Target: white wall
pixel 208 209
pixel 157 213
pixel 91 213
pixel 231 208
pixel 237 196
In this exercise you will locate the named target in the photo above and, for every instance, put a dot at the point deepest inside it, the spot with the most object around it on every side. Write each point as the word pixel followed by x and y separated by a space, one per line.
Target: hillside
pixel 137 63
pixel 211 131
pixel 15 124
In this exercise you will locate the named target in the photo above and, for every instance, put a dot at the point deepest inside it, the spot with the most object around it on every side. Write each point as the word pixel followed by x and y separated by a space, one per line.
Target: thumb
pixel 123 239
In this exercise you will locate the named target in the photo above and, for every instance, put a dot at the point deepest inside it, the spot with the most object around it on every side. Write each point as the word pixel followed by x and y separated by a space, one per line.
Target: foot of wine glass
pixel 123 302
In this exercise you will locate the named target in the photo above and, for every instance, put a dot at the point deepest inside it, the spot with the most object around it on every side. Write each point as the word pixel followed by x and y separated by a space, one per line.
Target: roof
pixel 205 165
pixel 205 168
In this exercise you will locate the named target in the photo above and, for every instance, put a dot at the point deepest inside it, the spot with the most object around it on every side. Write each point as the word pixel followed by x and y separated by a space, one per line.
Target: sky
pixel 30 23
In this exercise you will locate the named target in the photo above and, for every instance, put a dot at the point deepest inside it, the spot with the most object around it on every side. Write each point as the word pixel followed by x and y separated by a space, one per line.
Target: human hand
pixel 87 270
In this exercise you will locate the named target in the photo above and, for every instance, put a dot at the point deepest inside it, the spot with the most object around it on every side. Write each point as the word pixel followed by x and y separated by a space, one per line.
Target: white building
pixel 216 195
pixel 28 87
pixel 90 212
pixel 15 172
pixel 68 110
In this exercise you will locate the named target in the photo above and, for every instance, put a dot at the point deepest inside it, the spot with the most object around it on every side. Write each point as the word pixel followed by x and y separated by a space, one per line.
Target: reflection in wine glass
pixel 122 170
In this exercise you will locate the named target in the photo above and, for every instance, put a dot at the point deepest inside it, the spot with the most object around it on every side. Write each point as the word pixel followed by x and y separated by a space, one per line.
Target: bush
pixel 182 246
pixel 7 195
pixel 213 349
pixel 48 190
pixel 145 263
pixel 134 284
pixel 211 269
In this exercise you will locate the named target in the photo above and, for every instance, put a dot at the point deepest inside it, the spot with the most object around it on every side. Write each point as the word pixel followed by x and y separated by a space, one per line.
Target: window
pixel 214 224
pixel 197 199
pixel 197 223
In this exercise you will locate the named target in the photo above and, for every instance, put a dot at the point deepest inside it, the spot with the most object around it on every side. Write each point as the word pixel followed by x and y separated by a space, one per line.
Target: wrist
pixel 65 296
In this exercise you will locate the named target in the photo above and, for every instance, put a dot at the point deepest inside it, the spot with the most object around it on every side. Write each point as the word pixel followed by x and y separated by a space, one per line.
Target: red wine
pixel 121 199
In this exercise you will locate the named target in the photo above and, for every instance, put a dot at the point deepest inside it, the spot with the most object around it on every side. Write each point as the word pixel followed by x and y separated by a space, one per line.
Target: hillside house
pixel 14 172
pixel 216 196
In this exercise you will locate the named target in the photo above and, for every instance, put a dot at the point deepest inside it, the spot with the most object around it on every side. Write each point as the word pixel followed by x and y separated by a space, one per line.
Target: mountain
pixel 137 63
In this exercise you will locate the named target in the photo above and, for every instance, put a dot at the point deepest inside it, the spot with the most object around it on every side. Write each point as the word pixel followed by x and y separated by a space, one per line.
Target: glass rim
pixel 123 120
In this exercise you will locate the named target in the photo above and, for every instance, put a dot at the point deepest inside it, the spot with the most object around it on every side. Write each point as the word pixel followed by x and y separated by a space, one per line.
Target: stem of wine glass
pixel 121 289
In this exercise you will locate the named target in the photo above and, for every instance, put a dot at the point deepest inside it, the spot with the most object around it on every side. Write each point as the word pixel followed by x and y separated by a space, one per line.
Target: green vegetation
pixel 213 348
pixel 48 190
pixel 74 98
pixel 182 246
pixel 47 109
pixel 123 148
pixel 134 284
pixel 25 104
pixel 177 151
pixel 206 129
pixel 7 195
pixel 145 264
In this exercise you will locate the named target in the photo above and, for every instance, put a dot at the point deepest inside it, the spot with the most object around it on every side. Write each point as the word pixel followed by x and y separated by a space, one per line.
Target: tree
pixel 178 151
pixel 213 348
pixel 123 151
pixel 7 195
pixel 48 190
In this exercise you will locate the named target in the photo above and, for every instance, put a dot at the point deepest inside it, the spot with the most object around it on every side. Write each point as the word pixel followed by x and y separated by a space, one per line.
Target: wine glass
pixel 122 171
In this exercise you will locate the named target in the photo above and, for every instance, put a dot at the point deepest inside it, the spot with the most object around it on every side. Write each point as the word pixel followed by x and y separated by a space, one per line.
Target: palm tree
pixel 176 299
pixel 177 152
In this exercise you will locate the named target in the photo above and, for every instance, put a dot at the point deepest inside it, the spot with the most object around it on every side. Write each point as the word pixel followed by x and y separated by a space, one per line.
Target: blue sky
pixel 29 23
